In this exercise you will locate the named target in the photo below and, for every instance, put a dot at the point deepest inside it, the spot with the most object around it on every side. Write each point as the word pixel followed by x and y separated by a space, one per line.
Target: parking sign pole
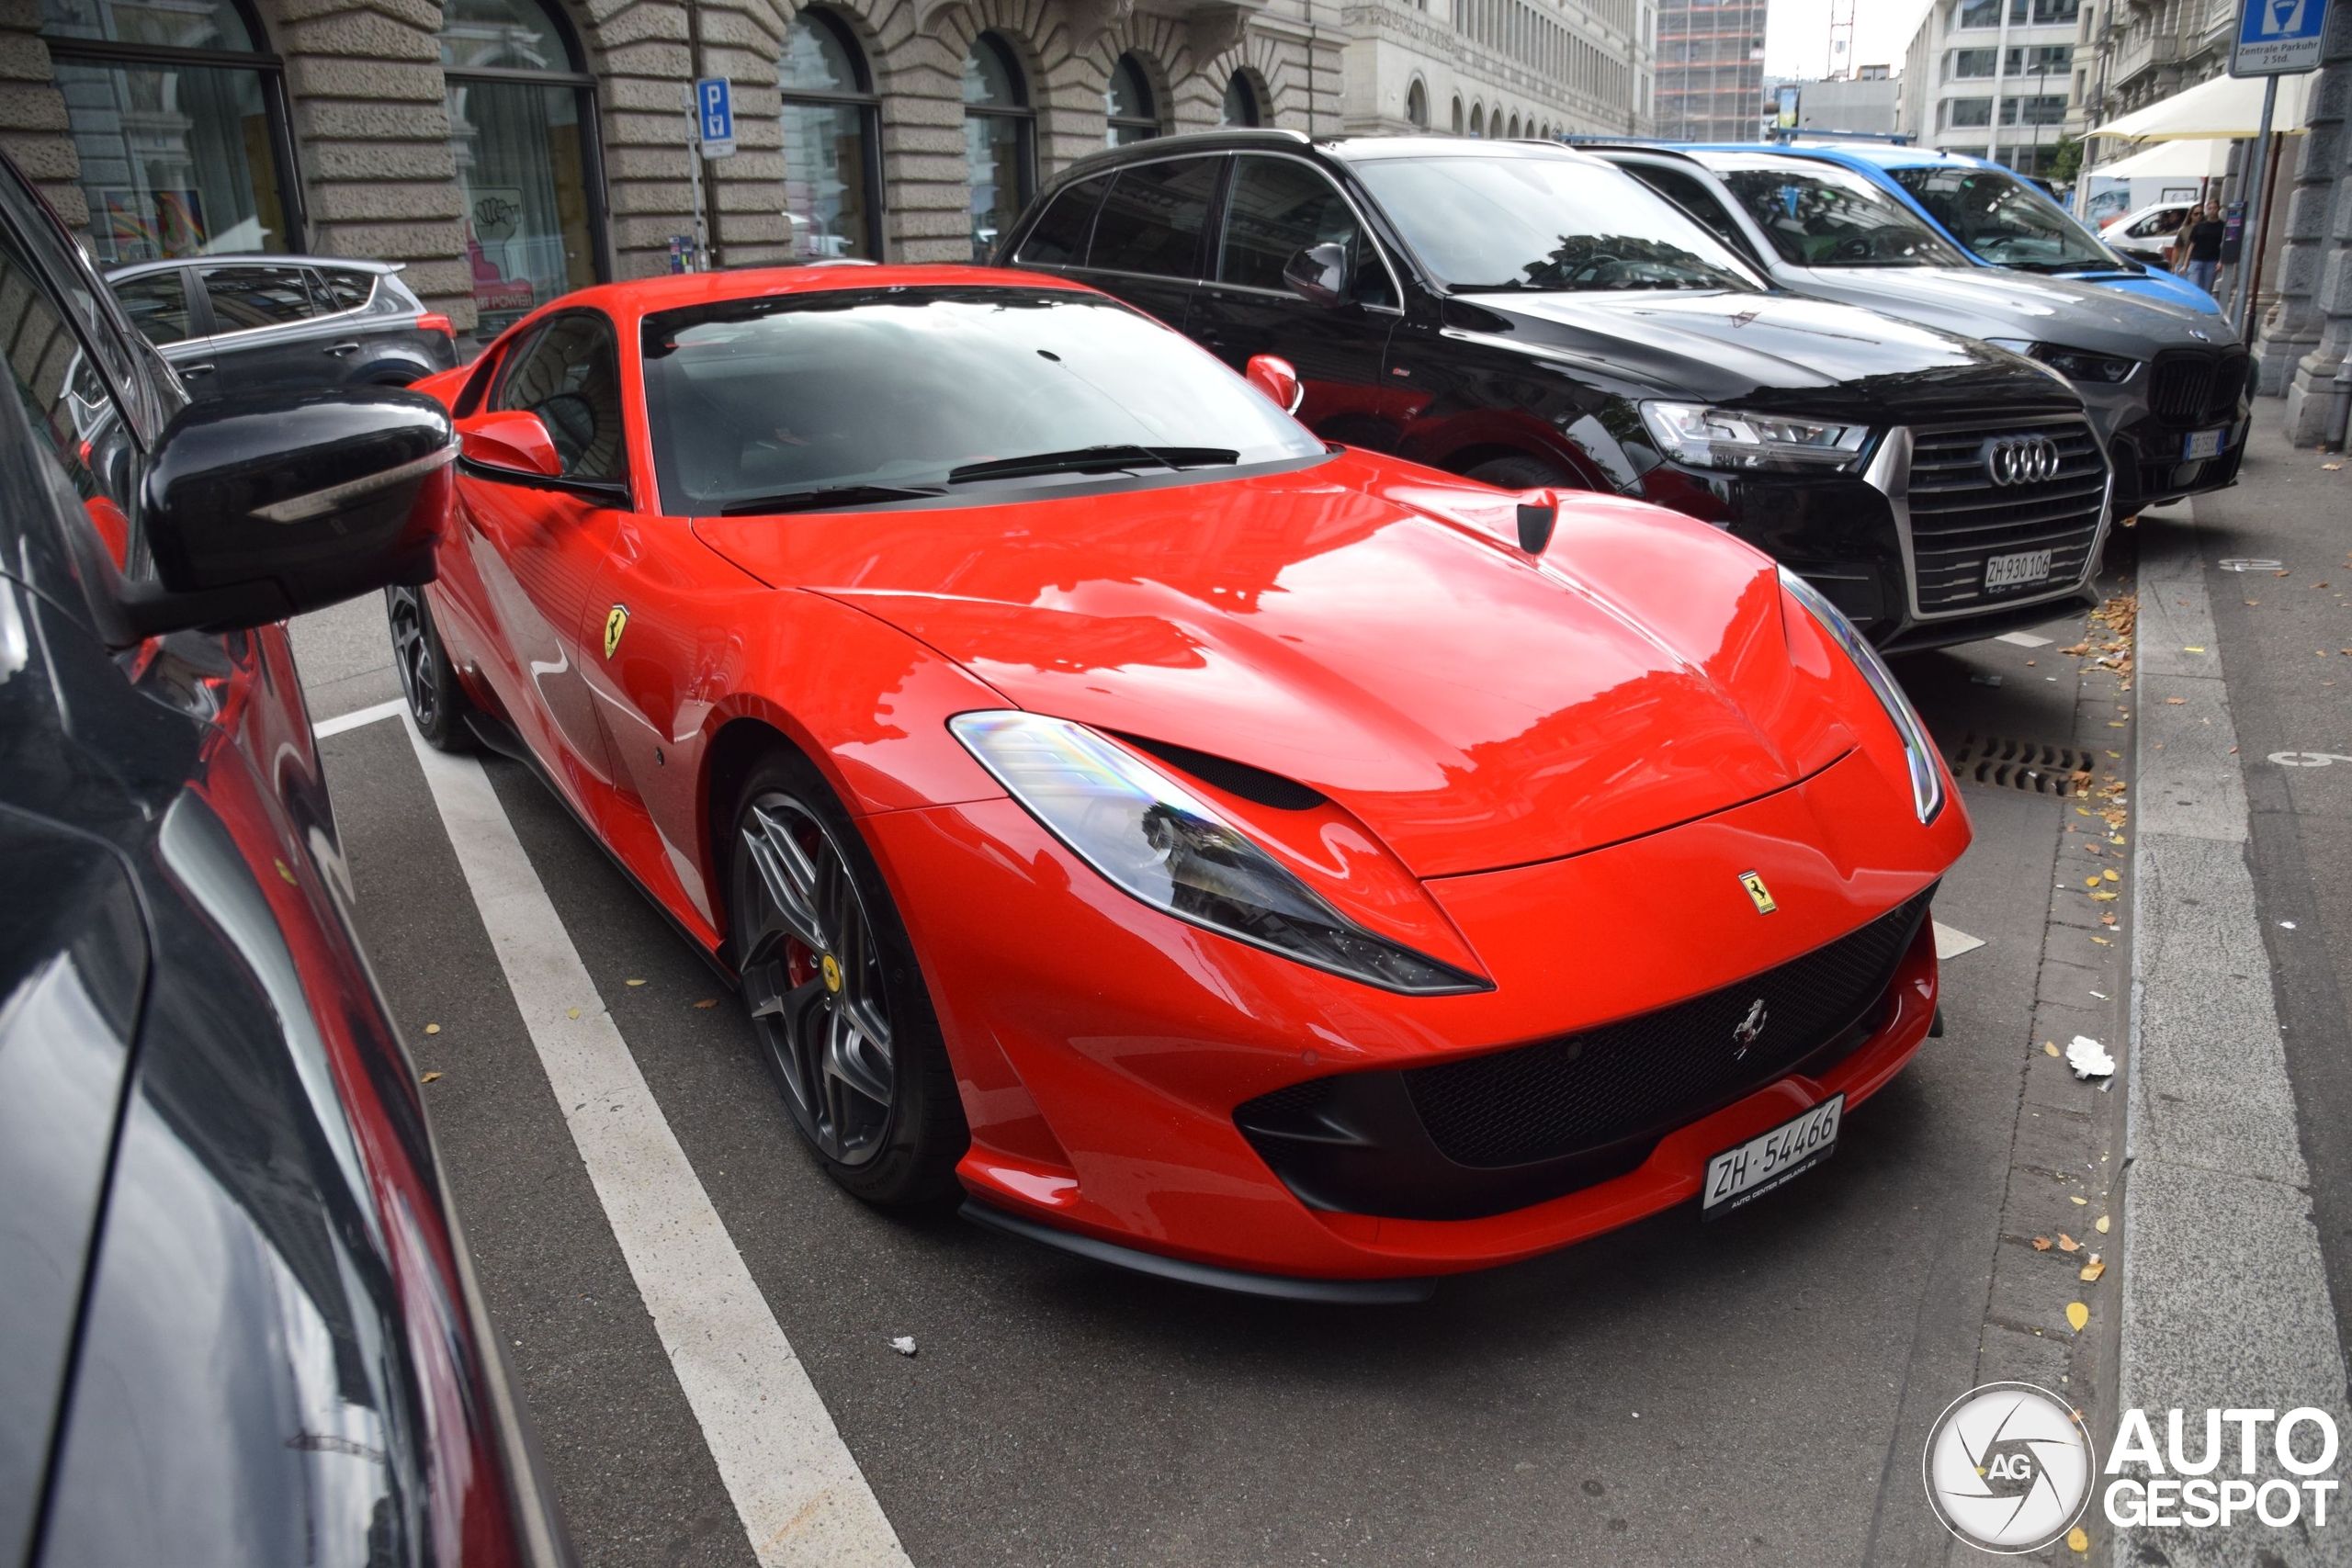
pixel 2275 39
pixel 694 177
pixel 2250 242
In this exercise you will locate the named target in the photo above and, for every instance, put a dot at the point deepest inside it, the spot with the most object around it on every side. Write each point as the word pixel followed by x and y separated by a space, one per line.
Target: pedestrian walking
pixel 2199 246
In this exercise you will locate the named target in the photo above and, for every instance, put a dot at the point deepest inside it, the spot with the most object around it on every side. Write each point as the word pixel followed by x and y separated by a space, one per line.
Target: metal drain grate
pixel 2033 767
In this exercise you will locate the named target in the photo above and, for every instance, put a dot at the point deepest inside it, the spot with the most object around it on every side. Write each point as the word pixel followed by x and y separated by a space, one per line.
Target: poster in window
pixel 494 223
pixel 149 225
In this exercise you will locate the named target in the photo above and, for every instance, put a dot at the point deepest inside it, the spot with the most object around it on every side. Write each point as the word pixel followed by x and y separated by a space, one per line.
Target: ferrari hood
pixel 1472 707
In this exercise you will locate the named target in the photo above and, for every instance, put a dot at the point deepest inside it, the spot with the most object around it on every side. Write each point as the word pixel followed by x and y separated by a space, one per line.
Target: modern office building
pixel 1993 79
pixel 1710 69
pixel 1863 103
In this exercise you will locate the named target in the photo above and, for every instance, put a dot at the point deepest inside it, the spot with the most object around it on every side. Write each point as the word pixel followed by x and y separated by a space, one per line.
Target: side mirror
pixel 1319 275
pixel 516 440
pixel 1277 379
pixel 260 507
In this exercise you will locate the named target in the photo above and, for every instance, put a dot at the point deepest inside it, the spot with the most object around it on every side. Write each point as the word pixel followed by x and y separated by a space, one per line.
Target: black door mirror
pixel 1319 275
pixel 260 507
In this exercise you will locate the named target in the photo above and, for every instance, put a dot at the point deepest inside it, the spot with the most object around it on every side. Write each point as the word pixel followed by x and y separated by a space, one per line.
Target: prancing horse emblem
pixel 1758 894
pixel 614 624
pixel 1744 1032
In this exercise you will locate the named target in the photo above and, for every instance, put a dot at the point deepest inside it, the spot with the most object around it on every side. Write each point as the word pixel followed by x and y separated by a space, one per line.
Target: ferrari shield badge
pixel 617 623
pixel 1758 893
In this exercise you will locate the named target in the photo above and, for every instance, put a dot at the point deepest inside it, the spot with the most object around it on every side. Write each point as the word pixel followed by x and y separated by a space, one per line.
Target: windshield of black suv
pixel 2003 219
pixel 1532 221
pixel 857 396
pixel 1817 215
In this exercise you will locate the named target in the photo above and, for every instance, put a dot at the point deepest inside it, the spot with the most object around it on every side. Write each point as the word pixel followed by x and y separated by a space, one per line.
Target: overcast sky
pixel 1796 35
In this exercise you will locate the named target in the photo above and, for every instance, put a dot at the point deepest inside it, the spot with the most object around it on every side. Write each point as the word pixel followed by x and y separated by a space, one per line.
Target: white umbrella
pixel 2225 107
pixel 2201 158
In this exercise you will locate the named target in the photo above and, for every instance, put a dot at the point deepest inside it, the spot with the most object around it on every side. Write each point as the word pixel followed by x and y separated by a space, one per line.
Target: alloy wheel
pixel 413 656
pixel 814 978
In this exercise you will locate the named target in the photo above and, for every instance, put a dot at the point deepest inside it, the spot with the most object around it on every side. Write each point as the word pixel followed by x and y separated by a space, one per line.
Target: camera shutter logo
pixel 2022 459
pixel 2009 1468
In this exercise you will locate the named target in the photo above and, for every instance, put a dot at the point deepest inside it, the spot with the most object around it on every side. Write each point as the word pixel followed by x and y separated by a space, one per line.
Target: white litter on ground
pixel 1952 942
pixel 2089 1058
pixel 2022 640
pixel 904 1344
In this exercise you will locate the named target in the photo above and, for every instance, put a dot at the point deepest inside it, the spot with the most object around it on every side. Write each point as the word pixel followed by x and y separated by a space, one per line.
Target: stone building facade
pixel 1993 79
pixel 508 150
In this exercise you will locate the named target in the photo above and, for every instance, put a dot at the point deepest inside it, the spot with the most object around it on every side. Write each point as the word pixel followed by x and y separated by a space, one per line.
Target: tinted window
pixel 783 395
pixel 248 297
pixel 1152 219
pixel 1531 220
pixel 569 374
pixel 1280 206
pixel 1818 215
pixel 340 290
pixel 1691 193
pixel 1059 238
pixel 157 305
pixel 2003 219
pixel 66 400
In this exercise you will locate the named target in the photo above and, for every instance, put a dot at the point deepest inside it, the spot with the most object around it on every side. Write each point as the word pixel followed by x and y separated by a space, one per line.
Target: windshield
pixel 1539 222
pixel 889 391
pixel 2003 220
pixel 1819 215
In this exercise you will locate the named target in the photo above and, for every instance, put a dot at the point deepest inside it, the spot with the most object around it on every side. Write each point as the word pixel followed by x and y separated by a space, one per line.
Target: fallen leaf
pixel 2176 702
pixel 2077 1314
pixel 2068 1244
pixel 2090 882
pixel 2078 1541
pixel 2084 1202
pixel 2041 1244
pixel 2102 941
pixel 2330 467
pixel 2192 648
pixel 2105 921
pixel 573 1013
pixel 2282 574
pixel 2104 897
pixel 2051 1046
pixel 2101 1227
pixel 2111 876
pixel 428 1078
pixel 707 1002
pixel 637 982
pixel 432 1029
pixel 2093 1270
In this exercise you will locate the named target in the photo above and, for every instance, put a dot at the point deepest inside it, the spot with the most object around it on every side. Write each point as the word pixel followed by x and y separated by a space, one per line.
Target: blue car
pixel 2000 221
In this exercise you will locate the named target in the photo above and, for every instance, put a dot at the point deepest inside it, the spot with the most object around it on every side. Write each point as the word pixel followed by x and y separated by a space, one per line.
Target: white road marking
pixel 801 1497
pixel 344 721
pixel 2023 639
pixel 1952 942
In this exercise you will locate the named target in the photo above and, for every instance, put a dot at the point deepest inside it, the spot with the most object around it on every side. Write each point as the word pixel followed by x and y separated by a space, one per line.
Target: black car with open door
pixel 237 1324
pixel 1529 315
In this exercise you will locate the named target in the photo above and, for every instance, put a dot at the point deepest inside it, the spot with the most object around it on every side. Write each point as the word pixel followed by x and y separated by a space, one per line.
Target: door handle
pixel 187 371
pixel 345 348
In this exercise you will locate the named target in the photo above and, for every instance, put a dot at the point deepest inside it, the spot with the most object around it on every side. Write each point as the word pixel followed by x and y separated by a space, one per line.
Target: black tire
pixel 436 704
pixel 1519 473
pixel 835 995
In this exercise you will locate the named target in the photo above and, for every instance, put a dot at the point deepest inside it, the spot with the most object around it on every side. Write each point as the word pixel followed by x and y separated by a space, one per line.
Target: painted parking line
pixel 344 721
pixel 1952 942
pixel 802 1500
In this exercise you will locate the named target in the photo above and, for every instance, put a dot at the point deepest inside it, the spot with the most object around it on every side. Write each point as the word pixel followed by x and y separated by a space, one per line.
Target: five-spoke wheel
pixel 436 701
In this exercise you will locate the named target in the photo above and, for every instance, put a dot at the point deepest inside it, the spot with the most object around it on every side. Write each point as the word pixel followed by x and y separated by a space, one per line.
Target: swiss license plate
pixel 2200 445
pixel 1741 1174
pixel 2016 571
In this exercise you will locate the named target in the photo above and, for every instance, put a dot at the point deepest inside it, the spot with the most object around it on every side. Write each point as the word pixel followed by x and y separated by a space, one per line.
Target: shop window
pixel 1000 141
pixel 178 118
pixel 832 174
pixel 1127 105
pixel 1240 107
pixel 523 126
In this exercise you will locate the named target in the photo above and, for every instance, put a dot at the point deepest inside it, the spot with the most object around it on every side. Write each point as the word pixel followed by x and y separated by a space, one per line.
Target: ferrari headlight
pixel 1154 839
pixel 1919 752
pixel 2075 364
pixel 1736 438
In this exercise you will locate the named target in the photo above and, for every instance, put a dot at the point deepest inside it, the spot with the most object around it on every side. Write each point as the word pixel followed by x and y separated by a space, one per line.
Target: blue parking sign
pixel 2278 38
pixel 714 116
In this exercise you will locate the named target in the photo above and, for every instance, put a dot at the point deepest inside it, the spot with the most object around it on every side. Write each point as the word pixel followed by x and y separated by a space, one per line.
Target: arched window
pixel 1240 102
pixel 523 126
pixel 1127 105
pixel 1000 141
pixel 1457 114
pixel 831 142
pixel 1514 128
pixel 1478 119
pixel 179 118
pixel 1417 105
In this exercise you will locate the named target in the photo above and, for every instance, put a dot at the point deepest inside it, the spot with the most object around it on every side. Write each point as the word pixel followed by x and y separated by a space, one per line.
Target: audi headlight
pixel 2075 364
pixel 1734 438
pixel 1919 752
pixel 1157 841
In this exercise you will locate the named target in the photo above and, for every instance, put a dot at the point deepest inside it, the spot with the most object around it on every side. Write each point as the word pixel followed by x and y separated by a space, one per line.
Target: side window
pixel 157 305
pixel 1687 192
pixel 65 398
pixel 1152 221
pixel 1059 238
pixel 341 290
pixel 245 298
pixel 569 375
pixel 1279 208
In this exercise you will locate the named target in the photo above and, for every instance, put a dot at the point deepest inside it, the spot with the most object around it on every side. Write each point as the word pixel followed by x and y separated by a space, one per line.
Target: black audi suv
pixel 1529 315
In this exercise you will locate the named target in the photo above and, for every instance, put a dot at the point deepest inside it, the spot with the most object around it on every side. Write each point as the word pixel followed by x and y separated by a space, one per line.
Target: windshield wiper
pixel 824 496
pixel 1094 459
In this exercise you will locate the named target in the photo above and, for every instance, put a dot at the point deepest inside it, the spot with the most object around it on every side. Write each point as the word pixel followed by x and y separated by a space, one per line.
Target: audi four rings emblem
pixel 2022 459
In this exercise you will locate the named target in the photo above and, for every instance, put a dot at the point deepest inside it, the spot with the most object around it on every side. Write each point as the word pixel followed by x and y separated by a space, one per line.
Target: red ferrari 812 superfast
pixel 1252 860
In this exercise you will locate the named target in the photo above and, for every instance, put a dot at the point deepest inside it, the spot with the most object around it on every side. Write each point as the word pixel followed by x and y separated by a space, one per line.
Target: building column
pixel 2319 253
pixel 637 50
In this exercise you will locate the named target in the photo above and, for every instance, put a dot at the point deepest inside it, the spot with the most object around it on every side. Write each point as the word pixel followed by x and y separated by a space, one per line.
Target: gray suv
pixel 2164 387
pixel 249 323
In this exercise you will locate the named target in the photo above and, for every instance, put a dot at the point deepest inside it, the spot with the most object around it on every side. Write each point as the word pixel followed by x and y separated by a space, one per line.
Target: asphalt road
pixel 1749 1391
